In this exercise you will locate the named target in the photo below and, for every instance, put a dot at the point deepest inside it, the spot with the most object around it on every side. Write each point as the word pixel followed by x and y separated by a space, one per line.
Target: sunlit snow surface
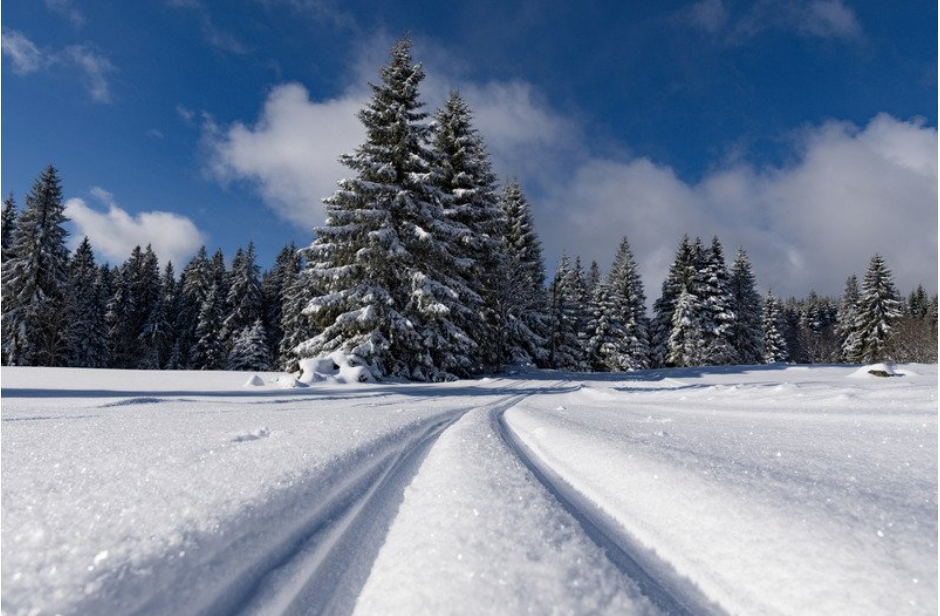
pixel 769 490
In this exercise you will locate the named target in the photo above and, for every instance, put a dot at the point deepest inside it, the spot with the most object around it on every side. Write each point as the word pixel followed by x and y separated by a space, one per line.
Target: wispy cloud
pixel 823 19
pixel 67 10
pixel 215 36
pixel 94 68
pixel 26 57
pixel 115 232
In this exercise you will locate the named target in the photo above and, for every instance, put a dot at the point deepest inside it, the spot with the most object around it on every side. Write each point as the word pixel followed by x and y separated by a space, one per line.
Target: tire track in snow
pixel 321 567
pixel 659 581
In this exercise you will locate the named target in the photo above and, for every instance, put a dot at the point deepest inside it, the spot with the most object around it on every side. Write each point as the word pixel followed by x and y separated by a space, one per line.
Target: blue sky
pixel 803 130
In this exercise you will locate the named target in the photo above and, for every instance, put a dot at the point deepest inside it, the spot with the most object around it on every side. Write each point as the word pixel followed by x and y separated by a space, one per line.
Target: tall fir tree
pixel 847 320
pixel 680 276
pixel 628 303
pixel 383 259
pixel 878 309
pixel 209 352
pixel 775 346
pixel 297 324
pixel 603 348
pixel 567 317
pixel 88 344
pixel 717 314
pixel 244 304
pixel 35 279
pixel 467 187
pixel 158 333
pixel 7 227
pixel 686 336
pixel 521 294
pixel 194 285
pixel 274 285
pixel 746 334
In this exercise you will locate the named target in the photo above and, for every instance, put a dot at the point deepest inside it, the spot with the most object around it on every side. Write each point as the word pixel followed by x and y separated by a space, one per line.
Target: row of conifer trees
pixel 424 269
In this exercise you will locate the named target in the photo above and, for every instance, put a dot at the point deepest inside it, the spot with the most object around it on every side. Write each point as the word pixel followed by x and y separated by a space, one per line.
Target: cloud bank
pixel 115 233
pixel 846 192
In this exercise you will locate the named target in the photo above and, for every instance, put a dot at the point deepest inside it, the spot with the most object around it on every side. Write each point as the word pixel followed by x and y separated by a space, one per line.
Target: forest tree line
pixel 424 269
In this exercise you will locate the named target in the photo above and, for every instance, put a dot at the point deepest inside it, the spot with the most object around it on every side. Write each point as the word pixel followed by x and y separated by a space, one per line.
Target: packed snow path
pixel 739 491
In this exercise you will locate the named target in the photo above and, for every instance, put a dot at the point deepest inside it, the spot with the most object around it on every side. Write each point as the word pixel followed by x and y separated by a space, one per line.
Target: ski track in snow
pixel 533 494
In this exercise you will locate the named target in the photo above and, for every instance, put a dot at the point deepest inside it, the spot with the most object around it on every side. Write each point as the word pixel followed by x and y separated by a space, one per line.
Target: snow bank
pixel 875 370
pixel 336 367
pixel 254 381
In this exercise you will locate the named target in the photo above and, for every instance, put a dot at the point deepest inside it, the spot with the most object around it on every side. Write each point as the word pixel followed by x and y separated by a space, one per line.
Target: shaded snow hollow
pixel 772 490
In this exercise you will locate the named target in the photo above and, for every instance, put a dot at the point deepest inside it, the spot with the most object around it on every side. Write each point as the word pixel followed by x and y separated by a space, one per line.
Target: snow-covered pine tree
pixel 297 325
pixel 87 337
pixel 775 346
pixel 746 335
pixel 686 336
pixel 918 304
pixel 209 351
pixel 847 320
pixel 137 291
pixel 681 273
pixel 717 316
pixel 628 305
pixel 194 284
pixel 467 187
pixel 250 349
pixel 818 334
pixel 274 284
pixel 244 301
pixel 593 278
pixel 521 294
pixel 158 336
pixel 383 257
pixel 567 317
pixel 35 279
pixel 878 309
pixel 603 350
pixel 7 226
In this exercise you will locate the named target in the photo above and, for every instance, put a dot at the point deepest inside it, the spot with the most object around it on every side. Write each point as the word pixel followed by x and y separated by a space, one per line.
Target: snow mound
pixel 254 381
pixel 337 367
pixel 287 381
pixel 874 370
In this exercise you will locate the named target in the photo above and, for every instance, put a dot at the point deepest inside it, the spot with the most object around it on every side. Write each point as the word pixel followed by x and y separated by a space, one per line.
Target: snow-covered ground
pixel 765 490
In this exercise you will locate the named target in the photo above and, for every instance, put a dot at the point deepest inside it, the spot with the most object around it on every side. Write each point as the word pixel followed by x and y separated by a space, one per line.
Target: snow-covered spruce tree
pixel 250 349
pixel 194 285
pixel 818 335
pixel 603 350
pixel 209 351
pixel 274 284
pixel 35 279
pixel 7 226
pixel 628 306
pixel 680 276
pixel 158 335
pixel 244 300
pixel 918 304
pixel 847 320
pixel 137 291
pixel 878 309
pixel 775 346
pixel 467 187
pixel 685 338
pixel 297 325
pixel 746 335
pixel 521 291
pixel 593 278
pixel 717 316
pixel 87 337
pixel 568 318
pixel 383 259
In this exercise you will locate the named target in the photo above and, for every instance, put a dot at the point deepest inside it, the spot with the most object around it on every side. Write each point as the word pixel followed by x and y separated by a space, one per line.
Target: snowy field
pixel 770 490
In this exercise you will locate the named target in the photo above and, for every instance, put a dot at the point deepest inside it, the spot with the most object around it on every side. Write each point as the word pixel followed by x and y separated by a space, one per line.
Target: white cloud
pixel 25 56
pixel 67 10
pixel 291 152
pixel 115 233
pixel 827 19
pixel 93 67
pixel 850 192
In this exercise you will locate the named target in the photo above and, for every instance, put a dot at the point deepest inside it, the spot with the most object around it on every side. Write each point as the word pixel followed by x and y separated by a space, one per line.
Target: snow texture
pixel 763 490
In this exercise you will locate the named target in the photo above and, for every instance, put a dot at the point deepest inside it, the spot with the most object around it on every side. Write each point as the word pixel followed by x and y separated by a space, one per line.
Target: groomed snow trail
pixel 744 491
